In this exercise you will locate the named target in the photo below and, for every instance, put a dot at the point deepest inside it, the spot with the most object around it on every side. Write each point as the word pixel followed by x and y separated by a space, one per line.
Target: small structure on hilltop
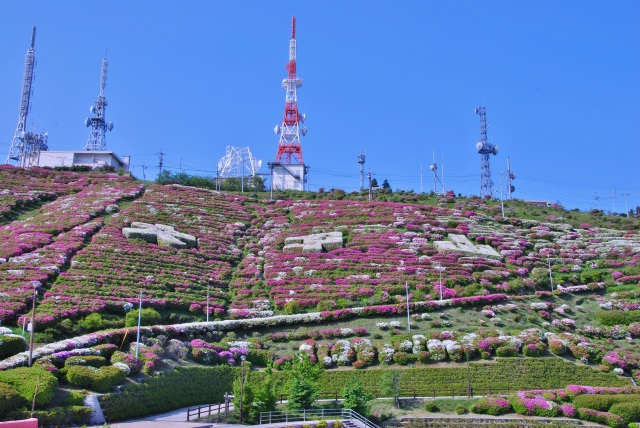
pixel 160 234
pixel 461 244
pixel 94 159
pixel 315 243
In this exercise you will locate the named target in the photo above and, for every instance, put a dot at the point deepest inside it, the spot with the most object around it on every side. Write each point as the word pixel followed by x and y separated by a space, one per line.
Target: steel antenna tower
pixel 485 149
pixel 99 126
pixel 289 144
pixel 25 144
pixel 361 158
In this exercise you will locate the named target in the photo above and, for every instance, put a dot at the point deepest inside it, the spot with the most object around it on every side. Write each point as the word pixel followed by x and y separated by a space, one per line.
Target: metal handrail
pixel 276 417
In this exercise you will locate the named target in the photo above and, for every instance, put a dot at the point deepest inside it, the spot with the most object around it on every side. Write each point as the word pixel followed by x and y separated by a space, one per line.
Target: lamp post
pixel 550 277
pixel 208 288
pixel 33 325
pixel 243 357
pixel 440 269
pixel 139 321
pixel 406 288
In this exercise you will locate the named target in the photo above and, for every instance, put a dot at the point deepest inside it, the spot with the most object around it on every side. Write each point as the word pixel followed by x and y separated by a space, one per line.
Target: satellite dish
pixel 512 175
pixel 110 126
pixel 433 167
pixel 303 116
pixel 276 129
pixel 495 150
pixel 91 109
pixel 512 189
pixel 476 111
pixel 303 131
pixel 479 146
pixel 87 122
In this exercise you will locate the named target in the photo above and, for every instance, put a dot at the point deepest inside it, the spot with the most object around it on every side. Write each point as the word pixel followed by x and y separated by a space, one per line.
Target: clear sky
pixel 560 81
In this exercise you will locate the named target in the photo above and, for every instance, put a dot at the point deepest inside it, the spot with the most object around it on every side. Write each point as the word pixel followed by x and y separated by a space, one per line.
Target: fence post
pixel 434 393
pixel 414 393
pixel 453 393
pixel 198 412
pixel 188 413
pixel 286 416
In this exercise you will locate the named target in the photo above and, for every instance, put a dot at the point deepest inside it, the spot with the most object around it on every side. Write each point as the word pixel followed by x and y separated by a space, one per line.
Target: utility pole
pixel 613 196
pixel 626 206
pixel 33 325
pixel 370 190
pixel 160 156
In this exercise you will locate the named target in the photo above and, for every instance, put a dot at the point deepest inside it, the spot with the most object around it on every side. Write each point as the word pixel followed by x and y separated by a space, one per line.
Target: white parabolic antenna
pixel 479 146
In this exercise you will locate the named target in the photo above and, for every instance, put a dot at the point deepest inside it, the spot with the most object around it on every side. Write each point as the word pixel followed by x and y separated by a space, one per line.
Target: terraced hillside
pixel 425 281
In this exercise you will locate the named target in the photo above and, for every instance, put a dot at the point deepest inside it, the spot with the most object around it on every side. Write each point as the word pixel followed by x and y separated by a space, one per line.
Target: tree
pixel 243 394
pixel 374 183
pixel 149 316
pixel 356 398
pixel 304 376
pixel 265 398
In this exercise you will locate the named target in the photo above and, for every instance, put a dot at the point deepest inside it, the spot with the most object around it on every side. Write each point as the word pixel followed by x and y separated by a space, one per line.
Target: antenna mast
pixel 25 144
pixel 289 144
pixel 361 158
pixel 485 149
pixel 97 123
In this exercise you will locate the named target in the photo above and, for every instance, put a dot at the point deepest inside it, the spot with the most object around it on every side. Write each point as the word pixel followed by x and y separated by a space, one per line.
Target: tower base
pixel 288 176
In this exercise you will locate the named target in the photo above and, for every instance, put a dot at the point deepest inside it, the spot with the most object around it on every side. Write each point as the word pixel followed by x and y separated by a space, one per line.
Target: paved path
pixel 174 419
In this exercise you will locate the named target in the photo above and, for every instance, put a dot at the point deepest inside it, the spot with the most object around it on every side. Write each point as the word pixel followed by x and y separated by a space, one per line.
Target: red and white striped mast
pixel 289 148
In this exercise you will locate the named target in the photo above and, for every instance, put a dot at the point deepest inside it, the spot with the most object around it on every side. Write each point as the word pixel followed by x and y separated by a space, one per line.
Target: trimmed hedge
pixel 100 380
pixel 11 345
pixel 628 410
pixel 504 374
pixel 617 317
pixel 182 387
pixel 85 360
pixel 603 402
pixel 24 380
pixel 59 416
pixel 10 399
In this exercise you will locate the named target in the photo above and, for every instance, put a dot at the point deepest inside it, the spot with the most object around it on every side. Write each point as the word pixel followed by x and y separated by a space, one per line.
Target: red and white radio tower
pixel 289 146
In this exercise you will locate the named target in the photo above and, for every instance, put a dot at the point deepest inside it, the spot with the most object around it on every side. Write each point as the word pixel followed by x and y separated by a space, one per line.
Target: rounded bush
pixel 106 378
pixel 135 364
pixel 81 376
pixel 149 316
pixel 11 345
pixel 402 358
pixel 506 351
pixel 460 409
pixel 629 411
pixel 494 406
pixel 10 399
pixel 85 360
pixel 24 380
pixel 430 406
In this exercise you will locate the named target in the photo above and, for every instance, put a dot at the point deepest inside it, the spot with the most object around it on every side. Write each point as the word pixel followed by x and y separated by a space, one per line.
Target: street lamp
pixel 242 357
pixel 208 288
pixel 406 288
pixel 550 277
pixel 33 324
pixel 440 269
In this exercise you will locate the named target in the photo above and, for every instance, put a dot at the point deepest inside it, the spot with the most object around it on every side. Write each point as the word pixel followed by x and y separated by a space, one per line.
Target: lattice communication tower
pixel 97 123
pixel 289 148
pixel 485 149
pixel 238 162
pixel 26 144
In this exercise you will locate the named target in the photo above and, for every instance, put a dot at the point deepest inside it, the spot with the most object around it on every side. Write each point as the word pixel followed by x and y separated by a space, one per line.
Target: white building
pixel 94 159
pixel 288 176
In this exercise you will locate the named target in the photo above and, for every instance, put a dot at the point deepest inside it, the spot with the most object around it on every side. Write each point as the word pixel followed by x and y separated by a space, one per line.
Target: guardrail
pixel 277 417
pixel 207 410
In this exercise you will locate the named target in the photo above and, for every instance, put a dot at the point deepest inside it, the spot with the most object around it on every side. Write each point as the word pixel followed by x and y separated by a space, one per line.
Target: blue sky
pixel 560 82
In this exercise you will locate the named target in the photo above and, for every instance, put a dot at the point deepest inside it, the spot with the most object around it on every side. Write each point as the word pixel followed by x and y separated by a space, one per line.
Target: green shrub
pixel 85 360
pixel 603 402
pixel 430 406
pixel 291 307
pixel 106 378
pixel 59 416
pixel 534 349
pixel 506 351
pixel 629 411
pixel 188 386
pixel 24 380
pixel 106 350
pixel 261 357
pixel 11 345
pixel 73 398
pixel 617 317
pixel 10 399
pixel 605 418
pixel 92 322
pixel 149 316
pixel 461 410
pixel 403 358
pixel 81 376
